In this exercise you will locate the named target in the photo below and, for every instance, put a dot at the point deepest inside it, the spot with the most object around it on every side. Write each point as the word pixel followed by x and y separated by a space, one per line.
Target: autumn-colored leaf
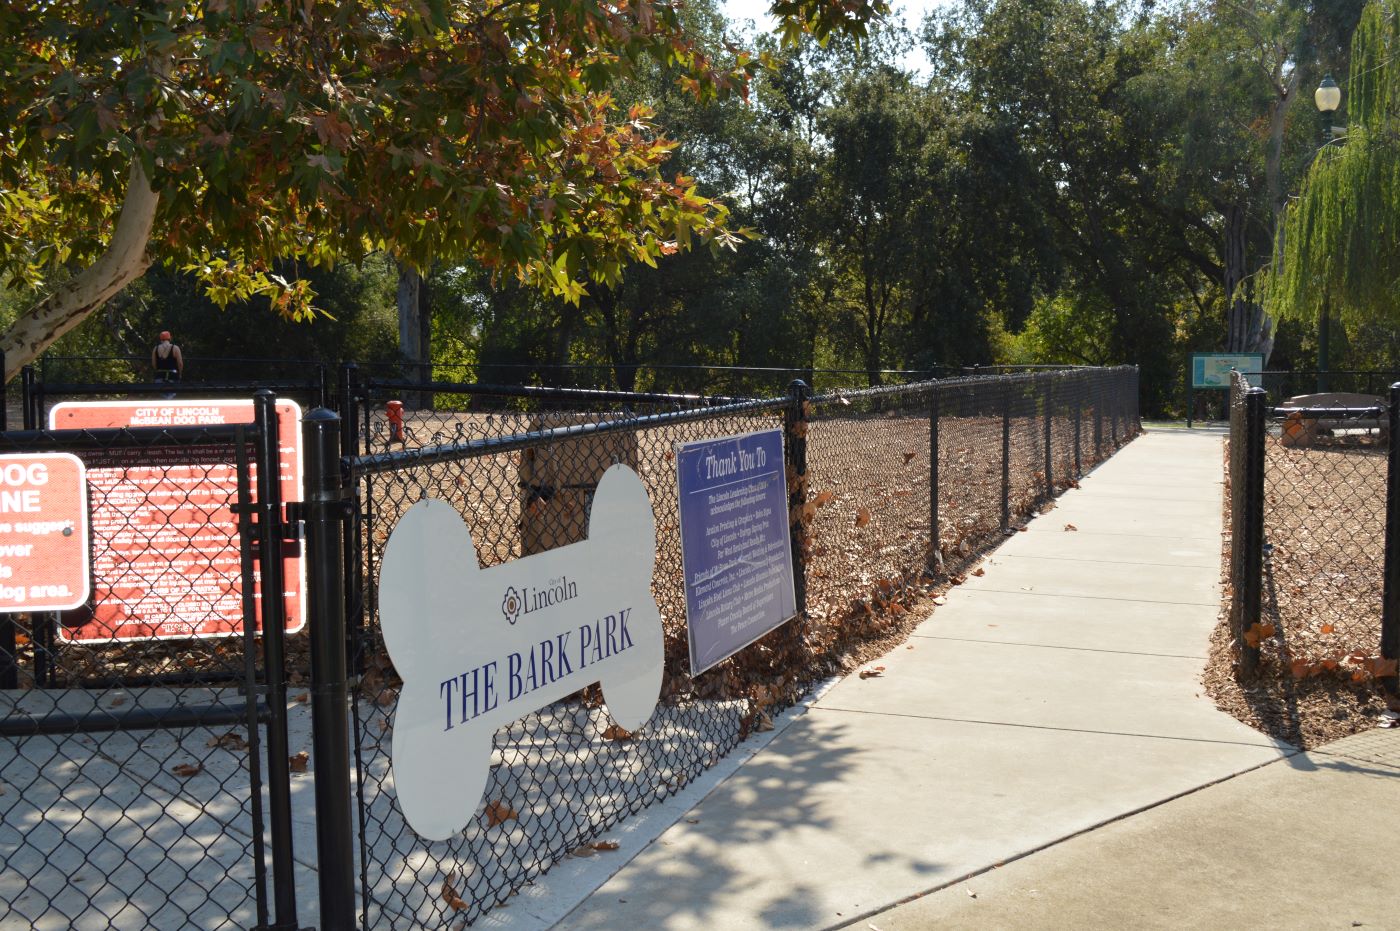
pixel 449 893
pixel 909 455
pixel 117 701
pixel 1300 668
pixel 872 672
pixel 1382 668
pixel 1328 628
pixel 186 770
pixel 605 845
pixel 231 740
pixel 862 517
pixel 1258 632
pixel 297 761
pixel 499 813
pixel 303 698
pixel 1070 527
pixel 824 498
pixel 614 732
pixel 979 571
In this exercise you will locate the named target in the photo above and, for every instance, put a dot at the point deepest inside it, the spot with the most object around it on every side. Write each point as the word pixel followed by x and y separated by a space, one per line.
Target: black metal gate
pixel 146 783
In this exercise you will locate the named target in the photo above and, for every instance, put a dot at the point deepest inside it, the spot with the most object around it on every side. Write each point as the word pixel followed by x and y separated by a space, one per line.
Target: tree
pixel 1340 245
pixel 222 136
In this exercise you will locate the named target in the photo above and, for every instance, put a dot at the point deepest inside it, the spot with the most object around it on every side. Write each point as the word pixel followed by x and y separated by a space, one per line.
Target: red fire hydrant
pixel 395 412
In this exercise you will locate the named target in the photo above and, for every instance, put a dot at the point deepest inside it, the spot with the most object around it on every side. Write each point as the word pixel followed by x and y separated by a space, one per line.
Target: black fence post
pixel 346 395
pixel 1250 535
pixel 1049 435
pixel 325 510
pixel 27 407
pixel 935 552
pixel 795 424
pixel 1005 455
pixel 1390 599
pixel 1078 419
pixel 1096 398
pixel 271 534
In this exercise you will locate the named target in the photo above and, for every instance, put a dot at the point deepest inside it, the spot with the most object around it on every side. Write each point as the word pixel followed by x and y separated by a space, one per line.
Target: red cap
pixel 165 336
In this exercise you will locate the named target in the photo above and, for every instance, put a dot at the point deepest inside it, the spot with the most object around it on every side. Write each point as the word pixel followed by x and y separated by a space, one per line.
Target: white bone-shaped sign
pixel 480 648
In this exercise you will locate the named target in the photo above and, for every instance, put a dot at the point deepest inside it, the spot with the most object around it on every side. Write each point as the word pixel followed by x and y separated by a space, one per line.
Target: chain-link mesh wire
pixel 130 787
pixel 563 774
pixel 1324 533
pixel 560 775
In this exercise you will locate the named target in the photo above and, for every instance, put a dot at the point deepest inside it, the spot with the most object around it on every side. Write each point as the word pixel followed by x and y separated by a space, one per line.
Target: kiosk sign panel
pixel 166 558
pixel 43 532
pixel 735 547
pixel 1212 369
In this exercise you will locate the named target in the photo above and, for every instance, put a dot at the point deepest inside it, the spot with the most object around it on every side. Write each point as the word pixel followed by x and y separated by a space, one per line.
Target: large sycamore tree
pixel 238 138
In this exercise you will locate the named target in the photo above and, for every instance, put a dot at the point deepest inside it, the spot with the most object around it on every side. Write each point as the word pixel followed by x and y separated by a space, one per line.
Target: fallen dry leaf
pixel 872 672
pixel 1070 527
pixel 303 698
pixel 186 770
pixel 297 762
pixel 979 571
pixel 605 845
pixel 449 893
pixel 614 732
pixel 824 498
pixel 862 517
pixel 499 813
pixel 117 701
pixel 232 740
pixel 909 455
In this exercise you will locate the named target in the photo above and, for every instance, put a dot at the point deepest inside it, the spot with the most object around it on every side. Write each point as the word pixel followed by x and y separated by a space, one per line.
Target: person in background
pixel 169 365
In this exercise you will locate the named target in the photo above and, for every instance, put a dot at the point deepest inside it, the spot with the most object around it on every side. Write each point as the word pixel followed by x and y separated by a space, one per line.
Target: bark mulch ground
pixel 1320 630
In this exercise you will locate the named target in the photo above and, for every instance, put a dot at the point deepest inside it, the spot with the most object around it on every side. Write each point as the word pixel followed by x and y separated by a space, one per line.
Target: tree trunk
pixel 71 302
pixel 412 346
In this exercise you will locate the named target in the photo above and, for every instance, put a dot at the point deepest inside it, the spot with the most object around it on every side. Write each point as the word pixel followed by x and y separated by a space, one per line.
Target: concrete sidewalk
pixel 1055 693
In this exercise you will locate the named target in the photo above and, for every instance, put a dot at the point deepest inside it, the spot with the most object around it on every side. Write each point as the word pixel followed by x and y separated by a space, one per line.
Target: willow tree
pixel 230 138
pixel 1342 233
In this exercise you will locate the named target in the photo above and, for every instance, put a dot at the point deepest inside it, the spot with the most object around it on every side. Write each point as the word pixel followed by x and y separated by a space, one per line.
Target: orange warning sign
pixel 166 561
pixel 43 532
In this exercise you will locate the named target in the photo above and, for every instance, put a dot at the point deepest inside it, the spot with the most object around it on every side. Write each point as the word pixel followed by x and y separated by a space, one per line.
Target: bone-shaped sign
pixel 480 648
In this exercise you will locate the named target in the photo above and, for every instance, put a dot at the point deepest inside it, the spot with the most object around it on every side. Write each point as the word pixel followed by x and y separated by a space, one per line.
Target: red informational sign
pixel 166 562
pixel 43 532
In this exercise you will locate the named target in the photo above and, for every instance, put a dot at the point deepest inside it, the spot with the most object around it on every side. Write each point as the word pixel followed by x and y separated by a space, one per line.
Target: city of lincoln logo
pixel 528 600
pixel 510 607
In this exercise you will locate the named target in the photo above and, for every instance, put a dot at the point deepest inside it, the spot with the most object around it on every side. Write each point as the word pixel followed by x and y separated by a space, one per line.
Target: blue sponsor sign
pixel 735 547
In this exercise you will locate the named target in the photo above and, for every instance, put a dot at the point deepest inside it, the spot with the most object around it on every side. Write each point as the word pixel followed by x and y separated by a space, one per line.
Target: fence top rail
pixel 128 437
pixel 536 391
pixel 163 387
pixel 377 463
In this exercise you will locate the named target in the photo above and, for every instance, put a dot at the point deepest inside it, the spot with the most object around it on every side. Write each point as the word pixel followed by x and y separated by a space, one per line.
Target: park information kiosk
pixel 735 546
pixel 1212 370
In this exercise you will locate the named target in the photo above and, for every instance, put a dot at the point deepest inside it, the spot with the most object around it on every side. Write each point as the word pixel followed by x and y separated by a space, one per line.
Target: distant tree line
pixel 1062 181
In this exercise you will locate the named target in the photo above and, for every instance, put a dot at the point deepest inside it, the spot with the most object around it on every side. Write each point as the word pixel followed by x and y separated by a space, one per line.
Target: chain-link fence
pixel 139 737
pixel 145 767
pixel 868 506
pixel 1310 532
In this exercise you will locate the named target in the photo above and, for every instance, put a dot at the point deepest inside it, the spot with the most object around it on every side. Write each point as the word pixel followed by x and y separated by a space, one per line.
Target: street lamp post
pixel 1328 98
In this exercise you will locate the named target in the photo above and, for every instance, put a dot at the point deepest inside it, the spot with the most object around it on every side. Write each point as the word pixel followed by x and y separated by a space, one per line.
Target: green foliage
pixel 1342 234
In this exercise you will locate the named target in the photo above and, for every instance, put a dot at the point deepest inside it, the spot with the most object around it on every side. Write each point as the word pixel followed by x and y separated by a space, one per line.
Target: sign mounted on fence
pixel 1212 369
pixel 166 560
pixel 550 624
pixel 43 532
pixel 735 546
